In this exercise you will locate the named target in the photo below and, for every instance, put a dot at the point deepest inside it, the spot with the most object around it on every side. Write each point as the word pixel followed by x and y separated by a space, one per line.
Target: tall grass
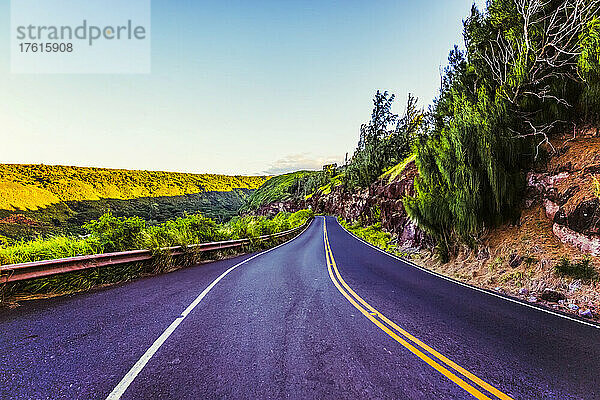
pixel 48 249
pixel 110 234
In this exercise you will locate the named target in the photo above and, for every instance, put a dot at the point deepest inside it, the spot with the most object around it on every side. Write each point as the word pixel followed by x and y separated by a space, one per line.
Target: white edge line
pixel 412 264
pixel 122 386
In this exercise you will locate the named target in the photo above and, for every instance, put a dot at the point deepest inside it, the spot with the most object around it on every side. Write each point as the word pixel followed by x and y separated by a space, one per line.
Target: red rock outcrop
pixel 568 195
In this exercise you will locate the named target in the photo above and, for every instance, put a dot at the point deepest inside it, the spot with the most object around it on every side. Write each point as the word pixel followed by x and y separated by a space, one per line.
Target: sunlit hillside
pixel 45 200
pixel 30 187
pixel 279 188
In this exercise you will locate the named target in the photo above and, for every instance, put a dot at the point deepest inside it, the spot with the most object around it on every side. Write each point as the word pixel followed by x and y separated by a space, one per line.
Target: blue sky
pixel 237 87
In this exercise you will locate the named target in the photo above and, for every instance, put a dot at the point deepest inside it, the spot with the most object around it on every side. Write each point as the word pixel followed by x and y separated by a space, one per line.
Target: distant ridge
pixel 30 187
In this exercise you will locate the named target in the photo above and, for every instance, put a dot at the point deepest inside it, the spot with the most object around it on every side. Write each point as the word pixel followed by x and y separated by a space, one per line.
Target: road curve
pixel 323 316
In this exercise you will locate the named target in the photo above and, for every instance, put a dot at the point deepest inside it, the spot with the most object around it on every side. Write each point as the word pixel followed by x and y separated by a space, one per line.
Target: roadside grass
pixel 111 234
pixel 48 249
pixel 374 235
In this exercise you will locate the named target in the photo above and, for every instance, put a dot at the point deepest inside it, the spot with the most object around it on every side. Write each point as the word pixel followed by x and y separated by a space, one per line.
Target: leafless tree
pixel 524 66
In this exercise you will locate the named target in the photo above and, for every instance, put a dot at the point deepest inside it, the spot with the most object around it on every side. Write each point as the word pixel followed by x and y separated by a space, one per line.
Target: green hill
pixel 41 199
pixel 279 188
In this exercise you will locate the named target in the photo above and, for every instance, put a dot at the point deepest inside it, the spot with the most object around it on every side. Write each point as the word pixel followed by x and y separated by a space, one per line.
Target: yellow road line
pixel 371 313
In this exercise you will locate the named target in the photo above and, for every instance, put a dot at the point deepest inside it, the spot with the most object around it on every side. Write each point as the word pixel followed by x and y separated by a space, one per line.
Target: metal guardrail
pixel 38 269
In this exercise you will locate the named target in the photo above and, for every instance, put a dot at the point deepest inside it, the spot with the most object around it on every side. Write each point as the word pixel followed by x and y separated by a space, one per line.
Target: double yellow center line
pixel 435 359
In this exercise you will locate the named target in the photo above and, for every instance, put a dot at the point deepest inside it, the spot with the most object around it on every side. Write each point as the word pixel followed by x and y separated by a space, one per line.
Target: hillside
pixel 282 188
pixel 40 199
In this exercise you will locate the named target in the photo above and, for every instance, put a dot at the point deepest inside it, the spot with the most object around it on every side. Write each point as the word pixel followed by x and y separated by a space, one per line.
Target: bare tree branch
pixel 552 55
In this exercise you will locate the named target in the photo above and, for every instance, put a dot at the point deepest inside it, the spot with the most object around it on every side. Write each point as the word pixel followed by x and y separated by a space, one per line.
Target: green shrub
pixel 110 233
pixel 589 68
pixel 255 226
pixel 495 113
pixel 582 269
pixel 372 234
pixel 117 234
pixel 384 141
pixel 183 231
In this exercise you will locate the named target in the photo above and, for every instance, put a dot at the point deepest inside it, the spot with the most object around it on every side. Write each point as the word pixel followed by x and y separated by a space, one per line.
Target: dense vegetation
pixel 529 66
pixel 384 141
pixel 279 188
pixel 372 234
pixel 530 70
pixel 581 269
pixel 28 187
pixel 110 234
pixel 384 144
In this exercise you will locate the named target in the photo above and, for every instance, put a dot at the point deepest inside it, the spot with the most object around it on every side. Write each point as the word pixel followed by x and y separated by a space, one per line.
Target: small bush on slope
pixel 581 269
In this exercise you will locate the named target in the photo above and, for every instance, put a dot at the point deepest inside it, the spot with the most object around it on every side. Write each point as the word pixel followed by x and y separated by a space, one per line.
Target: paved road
pixel 323 316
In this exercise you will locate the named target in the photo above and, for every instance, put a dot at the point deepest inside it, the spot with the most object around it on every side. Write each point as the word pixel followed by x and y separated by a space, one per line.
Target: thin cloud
pixel 299 162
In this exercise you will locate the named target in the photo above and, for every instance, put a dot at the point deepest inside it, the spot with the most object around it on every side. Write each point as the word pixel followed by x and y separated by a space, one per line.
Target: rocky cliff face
pixel 567 192
pixel 381 202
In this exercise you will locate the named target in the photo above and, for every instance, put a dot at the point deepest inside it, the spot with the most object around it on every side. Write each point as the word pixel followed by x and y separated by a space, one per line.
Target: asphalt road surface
pixel 323 316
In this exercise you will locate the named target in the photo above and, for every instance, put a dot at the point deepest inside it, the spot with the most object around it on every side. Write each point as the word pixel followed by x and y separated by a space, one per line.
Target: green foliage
pixel 82 280
pixel 299 217
pixel 589 67
pixel 582 269
pixel 255 226
pixel 469 170
pixel 384 141
pixel 321 181
pixel 335 181
pixel 35 186
pixel 183 231
pixel 392 173
pixel 294 186
pixel 376 212
pixel 117 234
pixel 48 249
pixel 58 200
pixel 373 234
pixel 104 236
pixel 110 234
